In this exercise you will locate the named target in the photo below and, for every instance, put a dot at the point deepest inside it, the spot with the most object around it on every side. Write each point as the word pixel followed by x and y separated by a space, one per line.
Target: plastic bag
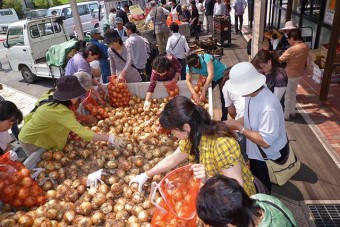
pixel 177 206
pixel 94 108
pixel 171 88
pixel 119 94
pixel 17 188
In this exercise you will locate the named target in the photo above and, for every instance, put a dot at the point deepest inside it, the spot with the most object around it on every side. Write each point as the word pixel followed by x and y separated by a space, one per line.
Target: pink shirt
pixel 296 58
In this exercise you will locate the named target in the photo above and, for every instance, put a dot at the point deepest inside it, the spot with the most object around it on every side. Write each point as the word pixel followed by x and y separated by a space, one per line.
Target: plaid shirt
pixel 220 153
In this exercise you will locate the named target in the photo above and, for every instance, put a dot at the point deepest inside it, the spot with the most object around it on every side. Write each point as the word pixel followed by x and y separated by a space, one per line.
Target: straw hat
pixel 244 79
pixel 68 87
pixel 288 26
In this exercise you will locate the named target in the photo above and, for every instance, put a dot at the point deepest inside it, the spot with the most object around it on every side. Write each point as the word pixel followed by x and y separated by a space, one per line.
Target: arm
pixel 279 92
pixel 148 19
pixel 177 66
pixel 112 62
pixel 128 60
pixel 166 12
pixel 167 163
pixel 188 81
pixel 234 172
pixel 253 136
pixel 232 111
pixel 210 69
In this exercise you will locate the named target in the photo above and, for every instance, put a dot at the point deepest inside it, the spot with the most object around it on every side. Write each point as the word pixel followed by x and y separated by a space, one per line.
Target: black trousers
pixel 224 109
pixel 184 64
pixel 238 17
pixel 260 170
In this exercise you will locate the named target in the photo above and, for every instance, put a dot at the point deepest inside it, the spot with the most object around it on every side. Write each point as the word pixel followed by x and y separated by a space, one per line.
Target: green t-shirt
pixel 49 126
pixel 272 215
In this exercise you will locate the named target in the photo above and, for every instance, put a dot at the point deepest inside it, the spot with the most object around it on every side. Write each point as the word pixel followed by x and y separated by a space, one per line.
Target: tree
pixel 43 4
pixel 16 5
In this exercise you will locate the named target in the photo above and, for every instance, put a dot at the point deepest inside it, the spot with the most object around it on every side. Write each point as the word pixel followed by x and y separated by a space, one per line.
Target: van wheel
pixel 27 74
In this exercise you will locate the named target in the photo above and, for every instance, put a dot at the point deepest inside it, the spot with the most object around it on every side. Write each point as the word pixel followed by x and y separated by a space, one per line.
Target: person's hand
pixel 147 105
pixel 13 155
pixel 118 141
pixel 140 179
pixel 233 125
pixel 93 178
pixel 199 172
pixel 121 76
pixel 196 98
pixel 202 96
pixel 101 89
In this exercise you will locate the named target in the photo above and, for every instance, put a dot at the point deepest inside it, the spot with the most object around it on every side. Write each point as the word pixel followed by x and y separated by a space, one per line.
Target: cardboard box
pixel 318 74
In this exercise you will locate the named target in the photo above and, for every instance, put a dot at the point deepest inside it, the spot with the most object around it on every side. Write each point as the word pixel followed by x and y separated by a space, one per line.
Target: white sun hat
pixel 244 79
pixel 288 26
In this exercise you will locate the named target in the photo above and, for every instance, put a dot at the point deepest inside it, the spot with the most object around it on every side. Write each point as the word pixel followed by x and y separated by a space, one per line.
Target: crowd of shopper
pixel 258 97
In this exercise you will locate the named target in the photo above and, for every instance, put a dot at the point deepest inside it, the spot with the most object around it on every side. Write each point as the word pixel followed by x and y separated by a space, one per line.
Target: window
pixel 93 7
pixel 67 13
pixel 6 12
pixel 83 10
pixel 15 36
pixel 44 29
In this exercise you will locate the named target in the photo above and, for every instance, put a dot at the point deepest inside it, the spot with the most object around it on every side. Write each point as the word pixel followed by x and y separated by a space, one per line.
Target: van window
pixel 83 10
pixel 15 36
pixel 67 13
pixel 44 29
pixel 5 12
pixel 93 7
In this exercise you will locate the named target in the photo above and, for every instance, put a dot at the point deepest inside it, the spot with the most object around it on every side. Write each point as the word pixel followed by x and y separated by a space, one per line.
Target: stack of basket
pixel 222 29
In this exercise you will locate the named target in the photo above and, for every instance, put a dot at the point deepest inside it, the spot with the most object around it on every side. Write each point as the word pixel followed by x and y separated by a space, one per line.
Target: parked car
pixel 85 9
pixel 7 16
pixel 28 41
pixel 36 13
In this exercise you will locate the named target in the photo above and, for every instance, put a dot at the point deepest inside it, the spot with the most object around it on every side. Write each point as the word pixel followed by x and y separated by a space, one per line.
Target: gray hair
pixel 84 79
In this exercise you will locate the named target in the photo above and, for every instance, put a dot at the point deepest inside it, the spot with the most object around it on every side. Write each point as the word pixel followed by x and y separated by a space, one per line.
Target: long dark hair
pixel 84 49
pixel 222 200
pixel 9 111
pixel 263 56
pixel 161 64
pixel 180 110
pixel 192 59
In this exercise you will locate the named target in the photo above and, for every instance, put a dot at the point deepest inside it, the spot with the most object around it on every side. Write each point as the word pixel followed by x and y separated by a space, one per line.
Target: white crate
pixel 318 74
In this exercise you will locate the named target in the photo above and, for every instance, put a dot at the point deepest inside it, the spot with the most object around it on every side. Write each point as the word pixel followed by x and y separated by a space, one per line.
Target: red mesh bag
pixel 119 95
pixel 87 119
pixel 171 88
pixel 94 108
pixel 17 188
pixel 177 207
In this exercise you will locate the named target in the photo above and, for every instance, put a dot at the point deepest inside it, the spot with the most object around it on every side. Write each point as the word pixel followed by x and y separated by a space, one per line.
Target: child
pixel 9 115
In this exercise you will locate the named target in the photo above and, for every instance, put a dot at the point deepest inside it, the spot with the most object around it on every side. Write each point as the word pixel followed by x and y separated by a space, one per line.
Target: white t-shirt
pixel 177 45
pixel 237 100
pixel 5 138
pixel 266 117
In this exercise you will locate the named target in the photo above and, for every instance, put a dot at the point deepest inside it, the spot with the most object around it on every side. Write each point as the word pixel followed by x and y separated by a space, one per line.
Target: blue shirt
pixel 104 61
pixel 219 67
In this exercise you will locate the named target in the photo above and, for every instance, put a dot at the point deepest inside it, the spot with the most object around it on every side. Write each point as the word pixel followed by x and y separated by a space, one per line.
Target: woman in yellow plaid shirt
pixel 206 142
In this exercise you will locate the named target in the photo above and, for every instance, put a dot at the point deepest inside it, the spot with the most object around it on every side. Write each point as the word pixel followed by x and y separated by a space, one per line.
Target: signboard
pixel 136 10
pixel 330 10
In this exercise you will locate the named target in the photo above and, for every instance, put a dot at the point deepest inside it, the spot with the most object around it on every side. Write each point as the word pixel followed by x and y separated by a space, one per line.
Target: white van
pixel 7 16
pixel 87 17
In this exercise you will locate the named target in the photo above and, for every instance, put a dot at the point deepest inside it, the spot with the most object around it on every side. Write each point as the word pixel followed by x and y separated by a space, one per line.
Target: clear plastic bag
pixel 177 206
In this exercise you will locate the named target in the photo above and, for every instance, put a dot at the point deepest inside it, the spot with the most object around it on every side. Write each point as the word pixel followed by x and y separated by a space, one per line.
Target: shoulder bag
pixel 176 43
pixel 154 24
pixel 280 173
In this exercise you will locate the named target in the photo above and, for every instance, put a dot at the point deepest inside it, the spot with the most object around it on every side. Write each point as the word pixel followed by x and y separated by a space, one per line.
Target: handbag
pixel 280 173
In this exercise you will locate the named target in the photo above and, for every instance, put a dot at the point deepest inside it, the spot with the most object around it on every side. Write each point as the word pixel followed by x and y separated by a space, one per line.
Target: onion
pixel 54 175
pixel 139 161
pixel 143 216
pixel 147 204
pixel 51 213
pixel 71 195
pixel 106 207
pixel 69 216
pixel 47 156
pixel 103 188
pixel 97 218
pixel 57 155
pixel 116 223
pixel 82 221
pixel 84 208
pixel 81 189
pixel 8 222
pixel 117 188
pixel 98 200
pixel 122 214
pixel 137 197
pixel 136 209
pixel 25 220
pixel 42 221
pixel 128 207
pixel 128 192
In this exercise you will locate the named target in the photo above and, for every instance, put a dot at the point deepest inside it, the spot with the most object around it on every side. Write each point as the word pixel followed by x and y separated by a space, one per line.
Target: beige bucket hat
pixel 288 26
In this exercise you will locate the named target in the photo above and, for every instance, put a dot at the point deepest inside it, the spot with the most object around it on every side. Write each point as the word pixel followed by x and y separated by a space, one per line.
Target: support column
pixel 259 20
pixel 77 22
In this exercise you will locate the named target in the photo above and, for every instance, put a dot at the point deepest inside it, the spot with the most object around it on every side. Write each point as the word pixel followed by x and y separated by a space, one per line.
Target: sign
pixel 136 10
pixel 330 11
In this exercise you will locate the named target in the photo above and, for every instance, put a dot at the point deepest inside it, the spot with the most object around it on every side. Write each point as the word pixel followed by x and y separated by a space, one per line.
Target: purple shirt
pixel 77 63
pixel 175 67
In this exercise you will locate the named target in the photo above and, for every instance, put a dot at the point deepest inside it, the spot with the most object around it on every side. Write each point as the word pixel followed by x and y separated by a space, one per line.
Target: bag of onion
pixel 16 185
pixel 94 108
pixel 177 204
pixel 171 88
pixel 119 94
